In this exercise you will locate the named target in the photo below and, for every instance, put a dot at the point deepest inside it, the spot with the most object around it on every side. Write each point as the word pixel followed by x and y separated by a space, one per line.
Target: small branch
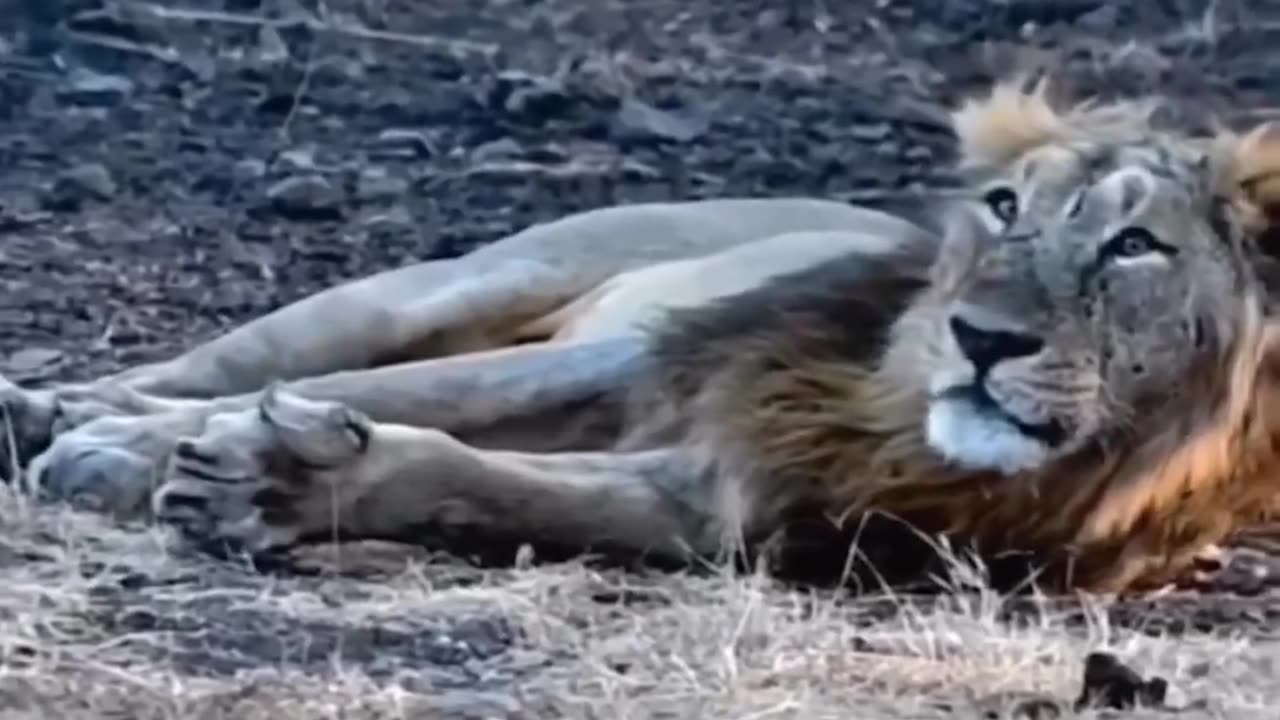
pixel 313 24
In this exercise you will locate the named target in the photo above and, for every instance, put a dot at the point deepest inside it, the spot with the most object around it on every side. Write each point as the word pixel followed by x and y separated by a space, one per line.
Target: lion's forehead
pixel 1039 284
pixel 1056 173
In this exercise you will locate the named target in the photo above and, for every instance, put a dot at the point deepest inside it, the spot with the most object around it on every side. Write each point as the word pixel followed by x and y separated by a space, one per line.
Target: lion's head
pixel 1099 322
pixel 1106 269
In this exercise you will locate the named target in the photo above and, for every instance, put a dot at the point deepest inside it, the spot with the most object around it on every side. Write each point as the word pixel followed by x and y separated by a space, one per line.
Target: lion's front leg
pixel 293 469
pixel 33 421
pixel 517 395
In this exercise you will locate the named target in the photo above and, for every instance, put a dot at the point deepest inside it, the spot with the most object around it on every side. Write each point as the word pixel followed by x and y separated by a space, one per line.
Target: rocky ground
pixel 169 170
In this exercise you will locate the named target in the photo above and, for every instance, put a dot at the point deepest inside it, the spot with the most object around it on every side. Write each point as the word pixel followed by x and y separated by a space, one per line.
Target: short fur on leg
pixel 293 469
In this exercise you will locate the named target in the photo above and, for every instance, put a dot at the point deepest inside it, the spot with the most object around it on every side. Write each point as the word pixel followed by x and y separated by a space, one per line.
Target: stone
pixel 249 170
pixel 271 48
pixel 75 185
pixel 870 132
pixel 33 364
pixel 637 120
pixel 297 160
pixel 501 149
pixel 533 98
pixel 405 141
pixel 375 183
pixel 306 197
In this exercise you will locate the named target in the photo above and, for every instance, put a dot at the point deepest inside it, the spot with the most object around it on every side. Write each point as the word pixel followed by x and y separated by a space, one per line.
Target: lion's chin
pixel 975 439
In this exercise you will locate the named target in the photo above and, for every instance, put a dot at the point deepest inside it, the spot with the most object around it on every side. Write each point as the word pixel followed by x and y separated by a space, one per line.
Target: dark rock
pixel 396 219
pixel 1109 683
pixel 501 149
pixel 529 98
pixel 375 183
pixel 92 178
pixel 82 182
pixel 249 170
pixel 918 154
pixel 278 102
pixel 296 160
pixel 138 620
pixel 271 48
pixel 306 197
pixel 639 121
pixel 32 364
pixel 869 132
pixel 1047 12
pixel 406 142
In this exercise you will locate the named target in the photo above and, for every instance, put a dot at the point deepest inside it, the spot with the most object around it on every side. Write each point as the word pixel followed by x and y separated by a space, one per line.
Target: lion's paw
pixel 110 465
pixel 262 479
pixel 27 419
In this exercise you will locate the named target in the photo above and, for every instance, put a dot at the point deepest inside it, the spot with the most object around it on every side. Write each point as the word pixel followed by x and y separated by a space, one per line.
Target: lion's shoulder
pixel 841 309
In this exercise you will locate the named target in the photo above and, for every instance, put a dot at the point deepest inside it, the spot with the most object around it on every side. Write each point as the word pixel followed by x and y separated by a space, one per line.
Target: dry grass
pixel 583 643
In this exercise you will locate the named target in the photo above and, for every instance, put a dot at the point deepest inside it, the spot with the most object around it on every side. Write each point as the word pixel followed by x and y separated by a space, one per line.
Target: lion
pixel 1074 364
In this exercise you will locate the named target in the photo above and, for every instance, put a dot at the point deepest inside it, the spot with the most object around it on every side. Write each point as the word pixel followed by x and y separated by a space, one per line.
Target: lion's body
pixel 492 297
pixel 683 377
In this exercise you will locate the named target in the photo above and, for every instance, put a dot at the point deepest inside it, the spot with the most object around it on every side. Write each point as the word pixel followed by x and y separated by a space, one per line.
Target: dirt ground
pixel 169 170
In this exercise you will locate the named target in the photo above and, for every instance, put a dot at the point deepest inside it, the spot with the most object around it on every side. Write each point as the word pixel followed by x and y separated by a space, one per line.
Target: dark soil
pixel 166 174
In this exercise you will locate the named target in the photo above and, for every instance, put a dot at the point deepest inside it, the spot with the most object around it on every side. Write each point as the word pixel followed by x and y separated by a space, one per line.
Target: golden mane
pixel 1010 120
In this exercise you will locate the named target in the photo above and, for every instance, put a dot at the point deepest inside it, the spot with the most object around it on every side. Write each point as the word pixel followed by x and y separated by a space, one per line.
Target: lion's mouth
pixel 1051 433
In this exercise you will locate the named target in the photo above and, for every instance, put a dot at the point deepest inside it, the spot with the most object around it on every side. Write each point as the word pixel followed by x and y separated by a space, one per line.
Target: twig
pixel 313 24
pixel 166 55
pixel 300 92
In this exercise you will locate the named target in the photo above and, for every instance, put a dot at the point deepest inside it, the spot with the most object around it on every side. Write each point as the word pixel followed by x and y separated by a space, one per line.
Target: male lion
pixel 1082 372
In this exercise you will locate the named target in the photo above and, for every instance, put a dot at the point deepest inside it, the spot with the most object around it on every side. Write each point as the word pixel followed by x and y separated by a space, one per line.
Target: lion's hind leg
pixel 425 310
pixel 293 470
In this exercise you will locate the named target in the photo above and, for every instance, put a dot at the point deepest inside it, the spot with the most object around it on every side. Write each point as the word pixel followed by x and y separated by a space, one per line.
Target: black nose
pixel 985 348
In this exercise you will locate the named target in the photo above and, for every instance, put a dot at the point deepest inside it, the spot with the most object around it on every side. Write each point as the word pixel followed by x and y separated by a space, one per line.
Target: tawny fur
pixel 995 129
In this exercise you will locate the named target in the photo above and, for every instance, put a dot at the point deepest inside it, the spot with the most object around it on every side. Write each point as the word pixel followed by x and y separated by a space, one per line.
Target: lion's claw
pixel 260 480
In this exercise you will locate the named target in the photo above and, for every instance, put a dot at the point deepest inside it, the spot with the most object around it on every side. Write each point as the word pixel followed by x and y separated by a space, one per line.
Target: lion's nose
pixel 985 348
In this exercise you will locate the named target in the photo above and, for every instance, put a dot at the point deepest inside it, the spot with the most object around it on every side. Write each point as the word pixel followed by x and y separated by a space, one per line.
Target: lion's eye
pixel 1077 204
pixel 1003 203
pixel 1135 242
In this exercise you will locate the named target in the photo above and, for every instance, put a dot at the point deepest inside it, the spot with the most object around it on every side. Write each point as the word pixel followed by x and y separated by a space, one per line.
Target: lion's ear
pixel 1008 122
pixel 1255 178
